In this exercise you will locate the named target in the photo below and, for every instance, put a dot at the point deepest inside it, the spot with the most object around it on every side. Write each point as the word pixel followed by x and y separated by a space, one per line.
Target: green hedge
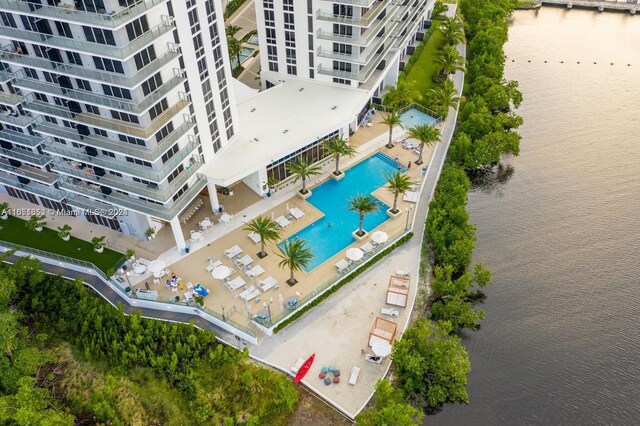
pixel 232 7
pixel 416 53
pixel 339 285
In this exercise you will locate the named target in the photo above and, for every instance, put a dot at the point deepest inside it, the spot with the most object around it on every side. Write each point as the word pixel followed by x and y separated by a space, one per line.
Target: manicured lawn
pixel 14 231
pixel 425 67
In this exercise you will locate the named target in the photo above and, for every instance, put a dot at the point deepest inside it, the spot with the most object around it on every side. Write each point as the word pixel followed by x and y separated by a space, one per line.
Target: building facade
pixel 358 43
pixel 111 107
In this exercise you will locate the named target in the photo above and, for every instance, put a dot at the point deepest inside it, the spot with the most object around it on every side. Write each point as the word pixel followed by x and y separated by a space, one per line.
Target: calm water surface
pixel 561 342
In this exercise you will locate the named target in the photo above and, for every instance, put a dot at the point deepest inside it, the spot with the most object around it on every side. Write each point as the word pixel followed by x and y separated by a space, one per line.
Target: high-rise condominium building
pixel 112 107
pixel 358 43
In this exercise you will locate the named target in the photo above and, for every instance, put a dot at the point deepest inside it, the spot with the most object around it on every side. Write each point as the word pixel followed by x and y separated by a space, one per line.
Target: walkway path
pixel 338 328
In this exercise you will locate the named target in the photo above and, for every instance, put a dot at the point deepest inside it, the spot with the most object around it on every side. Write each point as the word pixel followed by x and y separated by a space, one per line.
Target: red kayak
pixel 304 369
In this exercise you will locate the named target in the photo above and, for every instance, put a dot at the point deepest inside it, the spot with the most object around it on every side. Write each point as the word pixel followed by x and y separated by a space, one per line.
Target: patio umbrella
pixel 221 272
pixel 355 254
pixel 156 266
pixel 379 237
pixel 281 301
pixel 381 348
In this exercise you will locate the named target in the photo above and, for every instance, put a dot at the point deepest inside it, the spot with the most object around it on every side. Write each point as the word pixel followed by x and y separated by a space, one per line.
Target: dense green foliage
pixel 388 407
pixel 432 365
pixel 232 6
pixel 67 354
pixel 15 231
pixel 352 275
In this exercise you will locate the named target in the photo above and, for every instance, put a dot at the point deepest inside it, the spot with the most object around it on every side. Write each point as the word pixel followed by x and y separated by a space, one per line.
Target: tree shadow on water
pixel 491 179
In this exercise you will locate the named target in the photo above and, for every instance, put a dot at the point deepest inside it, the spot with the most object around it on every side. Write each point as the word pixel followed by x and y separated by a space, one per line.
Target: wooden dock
pixel 601 5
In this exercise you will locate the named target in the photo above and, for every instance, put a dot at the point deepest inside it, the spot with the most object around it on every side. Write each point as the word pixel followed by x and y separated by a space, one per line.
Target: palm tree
pixel 231 30
pixel 426 135
pixel 64 232
pixel 397 183
pixel 98 243
pixel 392 119
pixel 452 32
pixel 235 48
pixel 338 147
pixel 449 60
pixel 301 169
pixel 268 230
pixel 35 223
pixel 295 256
pixel 362 204
pixel 404 93
pixel 445 95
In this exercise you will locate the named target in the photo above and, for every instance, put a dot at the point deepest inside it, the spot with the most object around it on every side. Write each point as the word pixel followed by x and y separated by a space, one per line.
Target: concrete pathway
pixel 338 329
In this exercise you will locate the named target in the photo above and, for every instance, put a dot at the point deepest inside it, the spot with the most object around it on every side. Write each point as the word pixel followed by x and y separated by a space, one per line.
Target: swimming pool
pixel 415 117
pixel 244 54
pixel 332 233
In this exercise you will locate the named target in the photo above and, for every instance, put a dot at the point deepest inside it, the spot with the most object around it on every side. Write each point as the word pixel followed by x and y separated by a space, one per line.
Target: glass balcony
pixel 14 119
pixel 105 123
pixel 32 187
pixel 89 74
pixel 20 138
pixel 361 3
pixel 23 155
pixel 118 165
pixel 364 21
pixel 100 142
pixel 158 194
pixel 9 99
pixel 83 46
pixel 145 207
pixel 105 101
pixel 113 18
pixel 6 75
pixel 29 172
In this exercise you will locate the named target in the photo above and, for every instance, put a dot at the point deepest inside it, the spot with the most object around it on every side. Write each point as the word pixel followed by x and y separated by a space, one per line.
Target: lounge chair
pixel 342 265
pixel 188 296
pixel 296 212
pixel 255 237
pixel 236 283
pixel 367 247
pixel 411 197
pixel 245 260
pixel 283 221
pixel 392 312
pixel 403 272
pixel 213 266
pixel 254 272
pixel 295 367
pixel 232 252
pixel 267 283
pixel 249 294
pixel 355 371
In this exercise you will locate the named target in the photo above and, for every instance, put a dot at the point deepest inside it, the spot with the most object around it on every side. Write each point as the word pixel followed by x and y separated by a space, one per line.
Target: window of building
pixel 144 57
pixel 108 65
pixel 164 132
pixel 136 28
pixel 152 84
pixel 158 108
pixel 123 116
pixel 116 92
pixel 131 140
pixel 170 153
pixel 99 35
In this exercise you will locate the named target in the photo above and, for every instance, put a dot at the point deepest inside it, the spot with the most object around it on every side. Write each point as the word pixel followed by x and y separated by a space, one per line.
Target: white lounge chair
pixel 367 247
pixel 268 283
pixel 245 260
pixel 403 272
pixel 283 221
pixel 255 237
pixel 249 294
pixel 392 312
pixel 355 372
pixel 233 252
pixel 236 283
pixel 411 197
pixel 295 367
pixel 296 212
pixel 342 265
pixel 213 266
pixel 188 296
pixel 256 271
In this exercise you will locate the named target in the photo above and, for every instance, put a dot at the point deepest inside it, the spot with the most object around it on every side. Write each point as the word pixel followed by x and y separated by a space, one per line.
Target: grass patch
pixel 13 230
pixel 424 68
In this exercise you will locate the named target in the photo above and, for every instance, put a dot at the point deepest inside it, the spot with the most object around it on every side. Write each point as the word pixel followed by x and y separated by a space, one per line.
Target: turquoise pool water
pixel 244 54
pixel 332 233
pixel 415 117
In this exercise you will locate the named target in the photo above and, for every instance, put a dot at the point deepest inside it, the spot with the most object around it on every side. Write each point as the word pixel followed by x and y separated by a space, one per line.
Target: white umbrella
pixel 226 218
pixel 221 272
pixel 156 266
pixel 381 348
pixel 379 237
pixel 355 254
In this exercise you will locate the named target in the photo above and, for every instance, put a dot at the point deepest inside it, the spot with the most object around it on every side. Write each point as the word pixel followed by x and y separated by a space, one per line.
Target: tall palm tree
pixel 339 147
pixel 392 119
pixel 302 170
pixel 231 30
pixel 295 256
pixel 404 93
pixel 452 31
pixel 266 228
pixel 362 204
pixel 445 95
pixel 235 48
pixel 426 135
pixel 449 61
pixel 397 183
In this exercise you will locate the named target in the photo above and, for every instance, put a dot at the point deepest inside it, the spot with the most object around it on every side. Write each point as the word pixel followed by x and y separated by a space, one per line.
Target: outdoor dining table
pixel 195 236
pixel 226 218
pixel 206 224
pixel 292 302
pixel 139 269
